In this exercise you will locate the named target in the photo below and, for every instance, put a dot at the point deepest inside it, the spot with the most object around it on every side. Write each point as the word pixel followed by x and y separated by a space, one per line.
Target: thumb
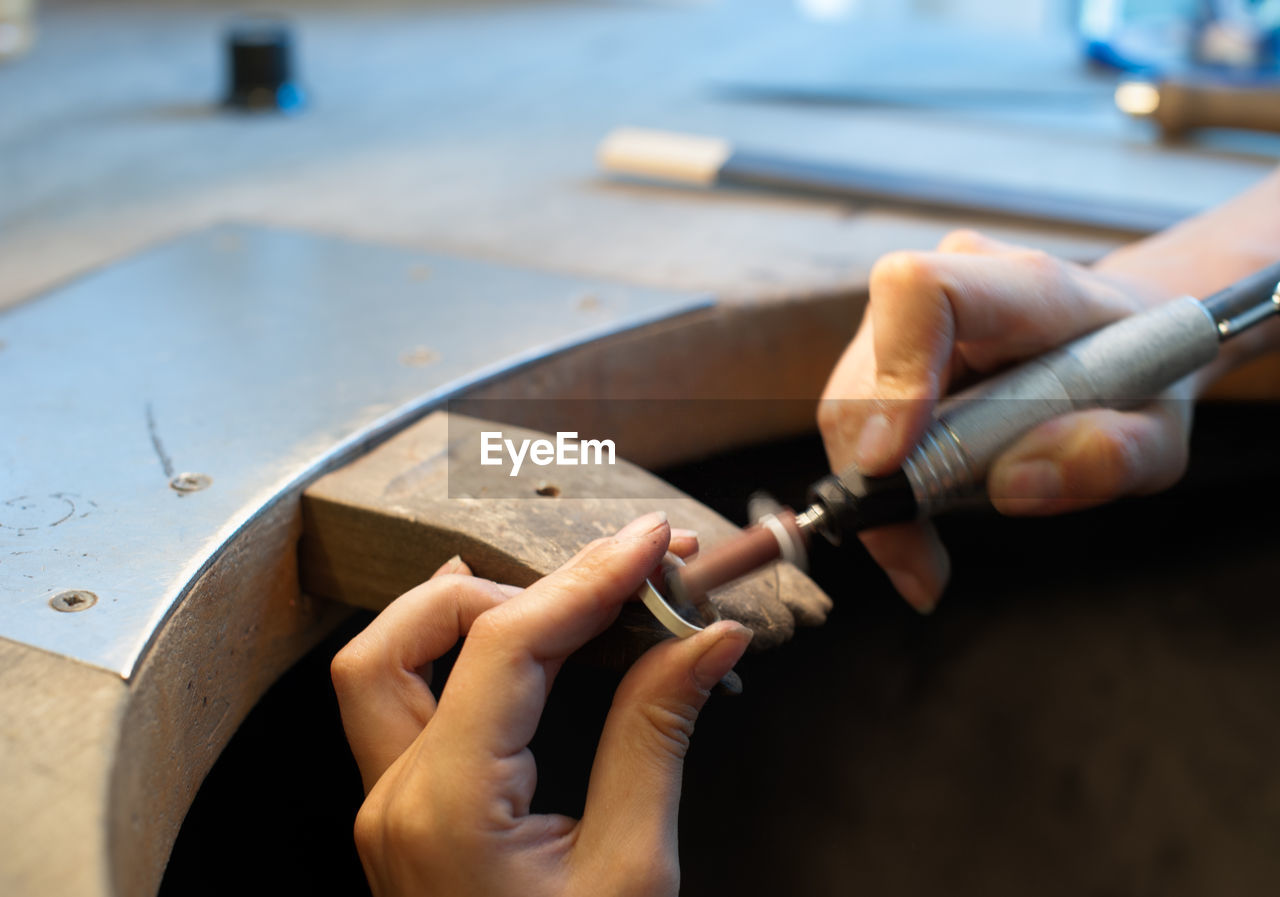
pixel 634 795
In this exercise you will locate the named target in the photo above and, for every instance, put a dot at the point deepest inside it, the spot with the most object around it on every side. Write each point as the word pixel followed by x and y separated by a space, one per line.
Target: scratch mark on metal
pixel 166 463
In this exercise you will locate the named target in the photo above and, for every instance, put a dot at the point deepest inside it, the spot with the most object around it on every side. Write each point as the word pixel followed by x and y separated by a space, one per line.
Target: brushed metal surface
pixel 149 410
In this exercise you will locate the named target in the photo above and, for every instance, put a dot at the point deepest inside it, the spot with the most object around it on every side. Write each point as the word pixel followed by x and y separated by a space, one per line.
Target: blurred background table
pixel 471 128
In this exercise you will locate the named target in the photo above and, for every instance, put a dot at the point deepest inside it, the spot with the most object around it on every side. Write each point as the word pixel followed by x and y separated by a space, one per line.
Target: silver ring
pixel 791 548
pixel 679 617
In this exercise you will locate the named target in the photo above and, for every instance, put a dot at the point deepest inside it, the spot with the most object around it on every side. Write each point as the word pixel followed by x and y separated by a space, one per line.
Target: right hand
pixel 974 306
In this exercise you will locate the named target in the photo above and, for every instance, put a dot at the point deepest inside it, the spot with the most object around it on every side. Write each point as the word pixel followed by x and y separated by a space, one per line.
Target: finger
pixel 588 549
pixel 634 794
pixel 914 558
pixel 384 700
pixel 847 400
pixel 455 564
pixel 1091 457
pixel 928 309
pixel 974 242
pixel 684 543
pixel 495 695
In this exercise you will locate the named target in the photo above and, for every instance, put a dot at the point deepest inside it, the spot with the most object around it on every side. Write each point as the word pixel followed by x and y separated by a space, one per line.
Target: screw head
pixel 190 482
pixel 73 601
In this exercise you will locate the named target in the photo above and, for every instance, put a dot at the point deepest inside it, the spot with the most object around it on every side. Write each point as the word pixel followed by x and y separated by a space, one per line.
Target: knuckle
pixel 671 725
pixel 367 830
pixel 492 624
pixel 448 582
pixel 499 625
pixel 832 416
pixel 962 240
pixel 459 590
pixel 387 826
pixel 1114 458
pixel 398 826
pixel 902 270
pixel 350 666
pixel 1056 277
pixel 1041 262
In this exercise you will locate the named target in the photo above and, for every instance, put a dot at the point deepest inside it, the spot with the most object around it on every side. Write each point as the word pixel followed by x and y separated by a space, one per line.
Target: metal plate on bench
pixel 149 410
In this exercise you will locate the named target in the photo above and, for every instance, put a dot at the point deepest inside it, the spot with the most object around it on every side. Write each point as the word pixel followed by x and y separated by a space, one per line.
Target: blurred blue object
pixel 1237 40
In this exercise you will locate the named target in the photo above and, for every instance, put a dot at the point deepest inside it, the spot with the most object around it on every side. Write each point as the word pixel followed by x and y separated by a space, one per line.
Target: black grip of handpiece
pixel 852 502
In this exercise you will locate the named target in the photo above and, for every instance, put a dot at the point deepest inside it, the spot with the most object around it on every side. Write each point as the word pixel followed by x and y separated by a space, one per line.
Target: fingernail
pixel 1035 483
pixel 681 533
pixel 720 657
pixel 455 564
pixel 642 526
pixel 871 452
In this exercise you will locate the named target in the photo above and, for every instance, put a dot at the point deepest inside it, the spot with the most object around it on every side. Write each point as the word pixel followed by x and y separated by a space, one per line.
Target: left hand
pixel 449 784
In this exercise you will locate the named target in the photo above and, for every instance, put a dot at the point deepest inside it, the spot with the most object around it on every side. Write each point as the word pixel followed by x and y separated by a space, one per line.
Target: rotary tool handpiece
pixel 1123 365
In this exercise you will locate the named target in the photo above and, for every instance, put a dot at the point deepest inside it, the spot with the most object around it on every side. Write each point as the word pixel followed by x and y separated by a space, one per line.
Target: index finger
pixel 932 315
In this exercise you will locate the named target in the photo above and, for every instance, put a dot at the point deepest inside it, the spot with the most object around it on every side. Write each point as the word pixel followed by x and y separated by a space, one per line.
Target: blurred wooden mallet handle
pixel 1178 106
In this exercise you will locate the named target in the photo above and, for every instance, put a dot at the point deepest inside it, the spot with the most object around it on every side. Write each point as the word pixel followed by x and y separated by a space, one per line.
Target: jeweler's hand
pixel 449 784
pixel 968 309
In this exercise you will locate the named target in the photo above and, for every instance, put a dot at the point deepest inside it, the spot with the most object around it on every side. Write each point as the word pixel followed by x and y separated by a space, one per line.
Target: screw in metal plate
pixel 73 600
pixel 190 482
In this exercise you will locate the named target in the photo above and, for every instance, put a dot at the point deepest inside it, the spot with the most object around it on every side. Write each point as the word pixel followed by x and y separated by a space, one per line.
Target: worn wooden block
pixel 381 525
